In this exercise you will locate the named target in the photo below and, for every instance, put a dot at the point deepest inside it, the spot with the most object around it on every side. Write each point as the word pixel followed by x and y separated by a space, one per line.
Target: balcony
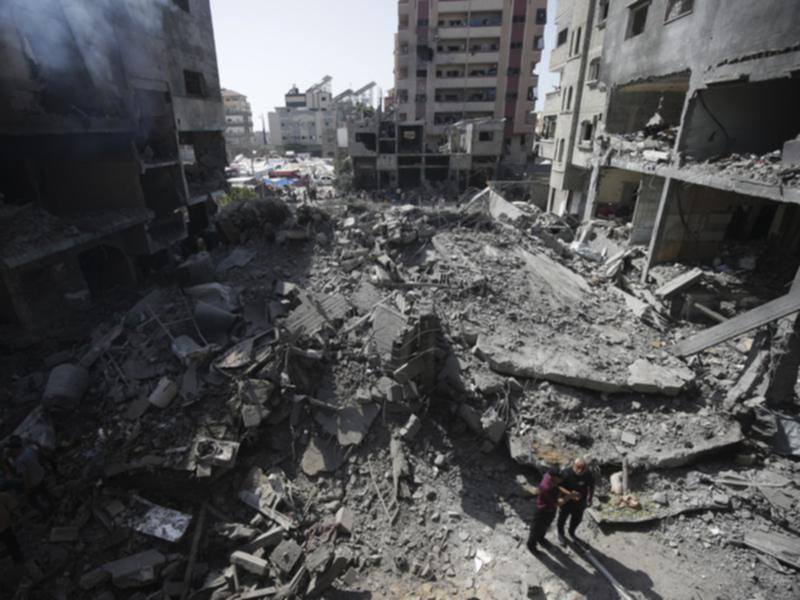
pixel 460 58
pixel 465 82
pixel 449 33
pixel 456 107
pixel 462 6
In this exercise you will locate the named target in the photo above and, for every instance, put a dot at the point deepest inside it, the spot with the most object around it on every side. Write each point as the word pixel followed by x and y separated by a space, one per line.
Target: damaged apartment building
pixel 464 95
pixel 111 145
pixel 680 118
pixel 309 121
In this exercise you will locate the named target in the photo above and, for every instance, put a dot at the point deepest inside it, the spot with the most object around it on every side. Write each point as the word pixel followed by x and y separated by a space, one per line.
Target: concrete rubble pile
pixel 770 168
pixel 287 418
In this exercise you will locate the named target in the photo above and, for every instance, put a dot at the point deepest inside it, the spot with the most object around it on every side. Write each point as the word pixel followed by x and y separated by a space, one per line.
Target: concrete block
pixel 251 564
pixel 251 416
pixel 411 428
pixel 93 578
pixel 164 393
pixel 493 426
pixel 286 555
pixel 265 540
pixel 136 569
pixel 471 417
pixel 320 583
pixel 791 152
pixel 344 519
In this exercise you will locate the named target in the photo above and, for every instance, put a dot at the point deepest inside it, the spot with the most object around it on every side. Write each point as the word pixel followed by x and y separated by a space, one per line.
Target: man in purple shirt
pixel 546 507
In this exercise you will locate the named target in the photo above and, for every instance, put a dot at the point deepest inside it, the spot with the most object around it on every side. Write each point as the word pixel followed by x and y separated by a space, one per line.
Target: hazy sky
pixel 265 46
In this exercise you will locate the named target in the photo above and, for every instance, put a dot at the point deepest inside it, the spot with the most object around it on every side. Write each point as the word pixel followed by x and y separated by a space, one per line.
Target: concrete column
pixel 591 193
pixel 658 228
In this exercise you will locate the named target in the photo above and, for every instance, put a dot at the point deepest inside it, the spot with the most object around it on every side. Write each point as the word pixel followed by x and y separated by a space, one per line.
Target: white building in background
pixel 309 120
pixel 305 123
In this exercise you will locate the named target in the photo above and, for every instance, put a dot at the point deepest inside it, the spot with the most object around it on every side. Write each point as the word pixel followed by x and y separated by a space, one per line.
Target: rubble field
pixel 353 400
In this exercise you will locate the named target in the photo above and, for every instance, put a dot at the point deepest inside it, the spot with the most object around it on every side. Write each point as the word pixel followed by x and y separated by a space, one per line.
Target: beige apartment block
pixel 470 59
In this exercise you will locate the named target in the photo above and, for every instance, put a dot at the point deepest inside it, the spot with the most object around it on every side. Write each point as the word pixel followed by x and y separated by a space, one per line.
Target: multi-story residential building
pixel 470 59
pixel 310 120
pixel 573 112
pixel 238 122
pixel 388 155
pixel 111 142
pixel 306 122
pixel 696 146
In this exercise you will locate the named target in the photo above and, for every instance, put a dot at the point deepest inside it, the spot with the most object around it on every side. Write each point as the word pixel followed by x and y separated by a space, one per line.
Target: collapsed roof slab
pixel 531 359
pixel 559 423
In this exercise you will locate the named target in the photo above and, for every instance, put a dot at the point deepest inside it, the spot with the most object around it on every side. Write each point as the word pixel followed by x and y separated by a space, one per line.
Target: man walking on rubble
pixel 547 501
pixel 577 486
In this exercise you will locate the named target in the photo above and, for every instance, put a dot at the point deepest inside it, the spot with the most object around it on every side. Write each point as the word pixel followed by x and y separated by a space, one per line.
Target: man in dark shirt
pixel 577 485
pixel 546 506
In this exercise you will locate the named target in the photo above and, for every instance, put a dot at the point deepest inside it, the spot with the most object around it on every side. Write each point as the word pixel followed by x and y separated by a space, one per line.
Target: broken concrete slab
pixel 532 360
pixel 387 326
pixel 558 279
pixel 646 378
pixel 319 583
pixel 680 283
pixel 196 269
pixel 319 559
pixel 267 539
pixel 783 547
pixel 353 423
pixel 541 448
pixel 238 258
pixel 321 456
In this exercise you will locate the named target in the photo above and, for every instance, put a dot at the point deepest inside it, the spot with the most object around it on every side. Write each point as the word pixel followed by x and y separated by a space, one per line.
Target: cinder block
pixel 250 563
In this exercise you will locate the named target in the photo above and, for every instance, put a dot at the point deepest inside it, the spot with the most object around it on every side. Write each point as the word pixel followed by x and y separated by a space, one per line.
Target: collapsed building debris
pixel 292 406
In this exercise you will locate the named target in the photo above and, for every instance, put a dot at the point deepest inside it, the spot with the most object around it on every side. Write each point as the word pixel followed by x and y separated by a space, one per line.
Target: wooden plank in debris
pixel 783 547
pixel 679 283
pixel 752 319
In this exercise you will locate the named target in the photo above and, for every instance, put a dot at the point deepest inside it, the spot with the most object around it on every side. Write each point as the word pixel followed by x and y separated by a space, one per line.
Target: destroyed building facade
pixel 310 121
pixel 111 137
pixel 239 137
pixel 457 60
pixel 695 146
pixel 387 154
